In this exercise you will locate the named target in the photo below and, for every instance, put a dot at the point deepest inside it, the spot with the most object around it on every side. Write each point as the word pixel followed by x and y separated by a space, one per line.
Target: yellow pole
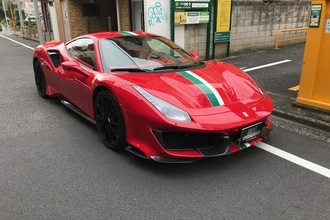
pixel 315 75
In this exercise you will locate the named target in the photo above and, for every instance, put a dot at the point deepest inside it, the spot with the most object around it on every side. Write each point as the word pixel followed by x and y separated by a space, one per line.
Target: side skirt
pixel 77 110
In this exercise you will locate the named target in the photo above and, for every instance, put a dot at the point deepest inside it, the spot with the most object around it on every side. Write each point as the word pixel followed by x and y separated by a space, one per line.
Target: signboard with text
pixel 191 12
pixel 222 29
pixel 224 15
pixel 191 5
pixel 221 37
pixel 192 17
pixel 315 15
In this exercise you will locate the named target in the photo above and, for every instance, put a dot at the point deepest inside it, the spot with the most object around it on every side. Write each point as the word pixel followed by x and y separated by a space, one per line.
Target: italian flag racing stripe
pixel 244 146
pixel 211 93
pixel 128 33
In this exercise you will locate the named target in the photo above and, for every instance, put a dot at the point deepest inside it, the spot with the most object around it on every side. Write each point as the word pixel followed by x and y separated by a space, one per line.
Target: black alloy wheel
pixel 109 121
pixel 40 79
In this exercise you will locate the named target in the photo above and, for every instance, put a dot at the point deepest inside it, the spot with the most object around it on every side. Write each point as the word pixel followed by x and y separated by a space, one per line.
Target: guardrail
pixel 289 39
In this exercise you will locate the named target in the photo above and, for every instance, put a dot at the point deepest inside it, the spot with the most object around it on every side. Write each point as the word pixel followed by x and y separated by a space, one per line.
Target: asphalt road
pixel 53 165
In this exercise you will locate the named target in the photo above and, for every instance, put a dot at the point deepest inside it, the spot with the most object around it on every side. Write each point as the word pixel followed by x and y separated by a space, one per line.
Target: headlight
pixel 169 110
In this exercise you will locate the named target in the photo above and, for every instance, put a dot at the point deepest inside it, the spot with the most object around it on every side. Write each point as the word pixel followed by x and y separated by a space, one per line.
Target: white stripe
pixel 131 33
pixel 294 159
pixel 214 91
pixel 17 42
pixel 266 65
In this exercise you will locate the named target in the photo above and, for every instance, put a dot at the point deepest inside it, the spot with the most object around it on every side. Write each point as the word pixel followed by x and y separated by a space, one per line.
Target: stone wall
pixel 254 26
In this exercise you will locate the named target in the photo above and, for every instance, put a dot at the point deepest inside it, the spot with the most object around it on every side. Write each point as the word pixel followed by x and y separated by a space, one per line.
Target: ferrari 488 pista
pixel 149 96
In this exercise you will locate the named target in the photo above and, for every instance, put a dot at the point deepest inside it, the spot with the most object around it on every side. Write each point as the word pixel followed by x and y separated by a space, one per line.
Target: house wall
pixel 59 17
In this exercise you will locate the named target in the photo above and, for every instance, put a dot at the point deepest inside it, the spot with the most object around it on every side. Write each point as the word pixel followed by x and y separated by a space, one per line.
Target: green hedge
pixel 30 24
pixel 16 16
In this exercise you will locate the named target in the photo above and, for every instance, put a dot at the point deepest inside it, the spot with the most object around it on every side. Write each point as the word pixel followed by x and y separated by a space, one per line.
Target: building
pixel 253 23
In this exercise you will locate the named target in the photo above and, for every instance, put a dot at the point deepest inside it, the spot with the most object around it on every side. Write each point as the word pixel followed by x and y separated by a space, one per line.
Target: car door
pixel 79 72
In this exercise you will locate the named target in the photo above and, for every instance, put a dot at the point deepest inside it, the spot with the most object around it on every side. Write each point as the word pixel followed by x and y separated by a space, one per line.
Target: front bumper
pixel 185 147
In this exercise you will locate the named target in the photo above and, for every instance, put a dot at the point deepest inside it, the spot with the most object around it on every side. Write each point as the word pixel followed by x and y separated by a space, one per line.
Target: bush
pixel 30 24
pixel 16 16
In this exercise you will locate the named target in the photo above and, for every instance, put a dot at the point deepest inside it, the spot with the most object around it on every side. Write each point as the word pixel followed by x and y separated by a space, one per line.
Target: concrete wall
pixel 255 23
pixel 254 26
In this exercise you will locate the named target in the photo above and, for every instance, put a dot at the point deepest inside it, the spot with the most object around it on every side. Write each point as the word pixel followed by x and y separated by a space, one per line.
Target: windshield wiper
pixel 168 67
pixel 181 66
pixel 128 70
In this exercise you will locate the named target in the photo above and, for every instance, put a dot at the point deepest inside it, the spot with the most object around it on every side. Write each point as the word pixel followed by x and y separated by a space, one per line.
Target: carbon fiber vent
pixel 208 144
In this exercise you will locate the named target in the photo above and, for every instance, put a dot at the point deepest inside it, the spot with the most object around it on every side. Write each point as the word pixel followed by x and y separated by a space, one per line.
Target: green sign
pixel 192 17
pixel 191 5
pixel 220 37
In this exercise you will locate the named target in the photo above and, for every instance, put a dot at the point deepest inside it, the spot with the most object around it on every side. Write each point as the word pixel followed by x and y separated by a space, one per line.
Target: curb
pixel 302 119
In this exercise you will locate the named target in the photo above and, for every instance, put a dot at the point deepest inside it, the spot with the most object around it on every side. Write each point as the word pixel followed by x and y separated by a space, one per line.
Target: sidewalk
pixel 29 34
pixel 286 107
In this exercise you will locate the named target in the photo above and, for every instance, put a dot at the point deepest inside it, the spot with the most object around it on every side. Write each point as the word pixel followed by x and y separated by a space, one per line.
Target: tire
pixel 40 79
pixel 109 121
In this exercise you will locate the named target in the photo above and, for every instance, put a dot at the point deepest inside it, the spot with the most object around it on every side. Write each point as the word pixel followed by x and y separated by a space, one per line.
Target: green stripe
pixel 244 146
pixel 203 87
pixel 127 33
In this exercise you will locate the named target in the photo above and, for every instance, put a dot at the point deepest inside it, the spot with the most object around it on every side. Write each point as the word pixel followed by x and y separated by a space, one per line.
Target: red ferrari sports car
pixel 149 96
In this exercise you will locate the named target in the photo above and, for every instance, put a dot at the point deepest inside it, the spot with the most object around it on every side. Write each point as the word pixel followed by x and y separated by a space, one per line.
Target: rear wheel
pixel 40 79
pixel 109 121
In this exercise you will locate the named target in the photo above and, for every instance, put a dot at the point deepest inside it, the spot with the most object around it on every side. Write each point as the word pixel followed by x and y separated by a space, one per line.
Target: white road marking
pixel 294 159
pixel 31 48
pixel 266 65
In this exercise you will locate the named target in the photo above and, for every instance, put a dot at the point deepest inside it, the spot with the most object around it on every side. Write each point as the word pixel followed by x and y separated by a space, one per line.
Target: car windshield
pixel 143 54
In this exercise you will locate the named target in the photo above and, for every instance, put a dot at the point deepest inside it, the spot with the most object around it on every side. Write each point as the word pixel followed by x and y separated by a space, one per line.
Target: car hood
pixel 218 86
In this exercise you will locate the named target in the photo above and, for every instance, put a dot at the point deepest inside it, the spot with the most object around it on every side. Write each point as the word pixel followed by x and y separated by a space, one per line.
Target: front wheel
pixel 109 121
pixel 40 79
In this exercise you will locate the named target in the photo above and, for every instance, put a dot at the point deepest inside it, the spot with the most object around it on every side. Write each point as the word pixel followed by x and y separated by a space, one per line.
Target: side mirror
pixel 70 65
pixel 195 55
pixel 74 66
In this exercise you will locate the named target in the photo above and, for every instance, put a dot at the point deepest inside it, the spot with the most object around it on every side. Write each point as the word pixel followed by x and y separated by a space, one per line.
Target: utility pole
pixel 19 7
pixel 36 12
pixel 4 9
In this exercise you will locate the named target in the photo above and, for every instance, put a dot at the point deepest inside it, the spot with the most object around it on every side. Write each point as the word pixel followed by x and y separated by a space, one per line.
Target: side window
pixel 83 51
